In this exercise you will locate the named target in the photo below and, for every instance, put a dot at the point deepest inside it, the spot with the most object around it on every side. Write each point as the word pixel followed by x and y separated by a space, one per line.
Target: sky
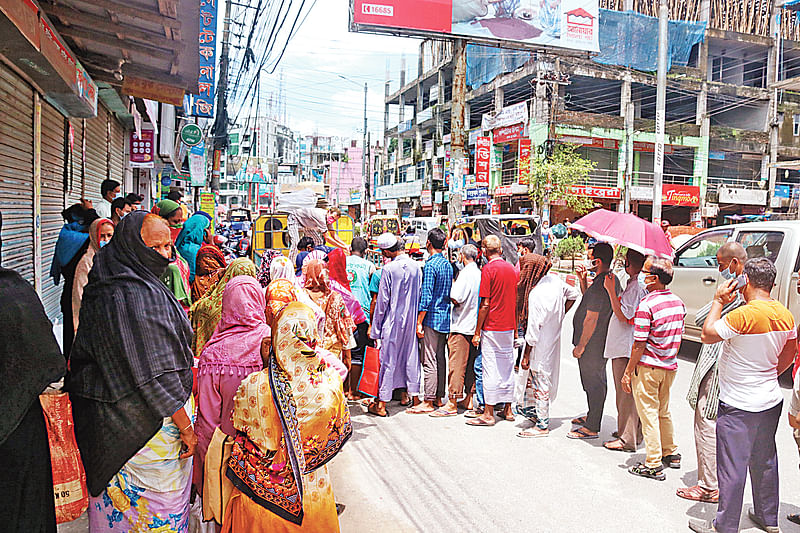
pixel 318 101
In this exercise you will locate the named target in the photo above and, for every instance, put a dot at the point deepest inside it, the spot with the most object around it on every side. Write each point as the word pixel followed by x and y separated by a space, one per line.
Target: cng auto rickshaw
pixel 270 231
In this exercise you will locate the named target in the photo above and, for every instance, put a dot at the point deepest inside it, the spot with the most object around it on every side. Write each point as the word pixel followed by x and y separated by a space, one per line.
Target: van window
pixel 701 251
pixel 761 243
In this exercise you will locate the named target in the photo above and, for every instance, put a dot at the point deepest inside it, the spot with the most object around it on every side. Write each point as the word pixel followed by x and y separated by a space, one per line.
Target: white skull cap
pixel 386 241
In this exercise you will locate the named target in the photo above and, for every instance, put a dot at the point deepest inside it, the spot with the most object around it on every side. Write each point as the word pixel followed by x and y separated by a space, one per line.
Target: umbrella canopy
pixel 625 229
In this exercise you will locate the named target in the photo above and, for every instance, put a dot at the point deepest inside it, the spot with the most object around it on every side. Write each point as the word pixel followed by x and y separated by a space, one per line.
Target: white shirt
pixel 103 208
pixel 619 340
pixel 464 316
pixel 546 303
pixel 753 337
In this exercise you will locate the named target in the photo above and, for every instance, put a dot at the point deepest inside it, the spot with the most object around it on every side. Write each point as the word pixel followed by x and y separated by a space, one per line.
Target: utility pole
pixel 219 130
pixel 457 125
pixel 661 103
pixel 364 159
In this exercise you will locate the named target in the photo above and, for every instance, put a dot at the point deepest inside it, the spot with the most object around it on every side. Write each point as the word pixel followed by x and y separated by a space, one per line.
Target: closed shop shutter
pixel 52 202
pixel 96 150
pixel 16 172
pixel 75 189
pixel 117 150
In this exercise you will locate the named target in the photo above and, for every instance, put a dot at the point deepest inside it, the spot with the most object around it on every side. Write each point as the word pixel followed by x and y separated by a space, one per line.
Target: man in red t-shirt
pixel 497 323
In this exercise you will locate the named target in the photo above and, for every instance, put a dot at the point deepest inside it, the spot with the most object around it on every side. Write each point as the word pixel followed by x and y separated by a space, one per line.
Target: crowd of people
pixel 226 385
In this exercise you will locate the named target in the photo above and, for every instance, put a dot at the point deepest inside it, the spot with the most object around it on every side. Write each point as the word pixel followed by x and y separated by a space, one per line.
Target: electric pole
pixel 364 159
pixel 457 125
pixel 661 103
pixel 219 130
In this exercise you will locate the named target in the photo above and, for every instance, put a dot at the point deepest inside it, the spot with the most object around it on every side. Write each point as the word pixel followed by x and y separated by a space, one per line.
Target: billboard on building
pixel 571 24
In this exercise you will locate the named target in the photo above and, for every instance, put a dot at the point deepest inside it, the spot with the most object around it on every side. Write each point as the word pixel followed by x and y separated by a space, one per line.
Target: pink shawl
pixel 235 345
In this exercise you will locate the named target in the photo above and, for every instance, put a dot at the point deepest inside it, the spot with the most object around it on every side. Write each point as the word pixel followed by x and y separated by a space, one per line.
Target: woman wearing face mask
pixel 100 233
pixel 195 232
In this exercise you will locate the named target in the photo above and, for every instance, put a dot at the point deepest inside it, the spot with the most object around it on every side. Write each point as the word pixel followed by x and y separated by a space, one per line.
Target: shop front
pixel 680 203
pixel 603 198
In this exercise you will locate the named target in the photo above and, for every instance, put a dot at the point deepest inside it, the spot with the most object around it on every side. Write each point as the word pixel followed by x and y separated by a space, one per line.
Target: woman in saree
pixel 291 419
pixel 195 232
pixel 206 311
pixel 209 267
pixel 130 382
pixel 232 353
pixel 339 325
pixel 100 233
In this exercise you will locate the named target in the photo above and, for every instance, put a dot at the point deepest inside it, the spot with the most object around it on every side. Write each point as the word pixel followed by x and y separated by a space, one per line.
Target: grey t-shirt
pixel 594 299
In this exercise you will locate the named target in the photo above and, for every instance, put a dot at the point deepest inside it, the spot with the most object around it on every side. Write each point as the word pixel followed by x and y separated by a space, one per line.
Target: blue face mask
pixel 103 243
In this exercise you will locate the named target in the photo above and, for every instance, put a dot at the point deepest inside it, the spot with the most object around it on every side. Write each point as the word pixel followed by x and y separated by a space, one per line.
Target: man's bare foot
pixel 424 407
pixel 533 433
pixel 377 409
pixel 482 420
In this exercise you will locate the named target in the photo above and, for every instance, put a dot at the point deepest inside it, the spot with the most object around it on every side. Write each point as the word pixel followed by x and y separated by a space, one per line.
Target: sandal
pixel 644 471
pixel 509 418
pixel 616 445
pixel 480 422
pixel 472 413
pixel 672 461
pixel 579 421
pixel 581 434
pixel 533 433
pixel 757 520
pixel 406 403
pixel 372 410
pixel 417 411
pixel 794 518
pixel 698 494
pixel 440 413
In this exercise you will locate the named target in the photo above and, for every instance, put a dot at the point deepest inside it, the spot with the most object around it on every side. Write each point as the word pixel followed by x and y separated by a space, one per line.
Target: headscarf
pixel 263 276
pixel 165 208
pixel 84 266
pixel 337 267
pixel 312 255
pixel 532 268
pixel 281 268
pixel 316 280
pixel 209 267
pixel 190 239
pixel 71 239
pixel 291 418
pixel 131 364
pixel 236 342
pixel 94 232
pixel 280 293
pixel 207 311
pixel 30 358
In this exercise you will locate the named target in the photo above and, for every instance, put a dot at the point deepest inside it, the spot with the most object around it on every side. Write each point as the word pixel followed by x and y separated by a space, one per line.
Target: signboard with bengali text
pixel 483 154
pixel 202 103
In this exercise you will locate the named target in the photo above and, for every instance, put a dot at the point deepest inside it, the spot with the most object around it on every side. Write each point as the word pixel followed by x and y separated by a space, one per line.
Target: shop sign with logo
pixel 480 193
pixel 680 195
pixel 141 149
pixel 191 135
pixel 596 192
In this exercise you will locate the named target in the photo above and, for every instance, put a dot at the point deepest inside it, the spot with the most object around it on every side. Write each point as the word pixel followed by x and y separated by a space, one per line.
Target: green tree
pixel 569 247
pixel 550 179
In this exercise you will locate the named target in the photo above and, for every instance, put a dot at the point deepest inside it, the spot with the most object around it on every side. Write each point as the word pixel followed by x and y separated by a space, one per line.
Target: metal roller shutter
pixel 16 173
pixel 52 202
pixel 96 152
pixel 117 150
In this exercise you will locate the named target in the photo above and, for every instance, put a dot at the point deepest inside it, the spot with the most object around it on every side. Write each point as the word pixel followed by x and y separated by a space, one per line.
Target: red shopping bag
pixel 69 478
pixel 368 384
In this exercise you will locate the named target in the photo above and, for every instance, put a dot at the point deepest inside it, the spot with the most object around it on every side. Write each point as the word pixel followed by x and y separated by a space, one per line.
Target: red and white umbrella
pixel 627 230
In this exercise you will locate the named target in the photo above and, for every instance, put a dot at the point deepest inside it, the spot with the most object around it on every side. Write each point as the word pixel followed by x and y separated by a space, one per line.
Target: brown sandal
pixel 617 445
pixel 698 494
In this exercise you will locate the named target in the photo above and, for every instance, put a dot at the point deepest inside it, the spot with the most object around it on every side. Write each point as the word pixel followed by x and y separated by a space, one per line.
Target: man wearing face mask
pixel 759 342
pixel 109 190
pixel 590 327
pixel 703 393
pixel 658 329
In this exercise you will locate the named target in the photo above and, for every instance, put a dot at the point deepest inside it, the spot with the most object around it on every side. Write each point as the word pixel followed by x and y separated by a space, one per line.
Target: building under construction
pixel 728 122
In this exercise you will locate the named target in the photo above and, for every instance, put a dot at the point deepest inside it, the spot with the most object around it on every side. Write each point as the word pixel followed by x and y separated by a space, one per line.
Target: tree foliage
pixel 550 179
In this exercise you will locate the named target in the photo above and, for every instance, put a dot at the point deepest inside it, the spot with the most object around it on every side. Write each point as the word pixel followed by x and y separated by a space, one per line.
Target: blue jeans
pixel 478 382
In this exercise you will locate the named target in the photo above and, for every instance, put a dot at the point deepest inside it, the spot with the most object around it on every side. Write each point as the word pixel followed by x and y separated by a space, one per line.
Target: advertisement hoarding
pixel 524 160
pixel 571 24
pixel 508 133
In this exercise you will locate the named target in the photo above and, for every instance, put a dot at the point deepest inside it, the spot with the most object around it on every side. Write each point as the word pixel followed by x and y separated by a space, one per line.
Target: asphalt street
pixel 416 473
pixel 409 473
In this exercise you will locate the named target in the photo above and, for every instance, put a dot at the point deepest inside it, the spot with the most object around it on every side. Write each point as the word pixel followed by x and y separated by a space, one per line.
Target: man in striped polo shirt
pixel 758 344
pixel 658 327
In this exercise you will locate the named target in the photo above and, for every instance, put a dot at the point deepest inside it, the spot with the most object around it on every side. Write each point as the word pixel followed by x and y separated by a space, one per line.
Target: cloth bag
pixel 525 395
pixel 368 383
pixel 217 487
pixel 69 478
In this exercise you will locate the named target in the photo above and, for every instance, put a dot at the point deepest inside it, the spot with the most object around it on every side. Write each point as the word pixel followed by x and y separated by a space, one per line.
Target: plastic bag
pixel 368 384
pixel 69 478
pixel 292 201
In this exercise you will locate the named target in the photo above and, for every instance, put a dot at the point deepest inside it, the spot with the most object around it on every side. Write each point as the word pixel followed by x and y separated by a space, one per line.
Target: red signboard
pixel 596 192
pixel 524 160
pixel 483 153
pixel 508 133
pixel 142 147
pixel 590 142
pixel 412 14
pixel 639 146
pixel 682 195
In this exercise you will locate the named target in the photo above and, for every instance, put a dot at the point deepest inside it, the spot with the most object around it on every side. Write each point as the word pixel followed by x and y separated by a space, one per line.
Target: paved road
pixel 410 473
pixel 416 473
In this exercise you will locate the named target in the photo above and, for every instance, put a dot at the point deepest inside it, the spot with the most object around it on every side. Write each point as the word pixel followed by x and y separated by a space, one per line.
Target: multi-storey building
pixel 728 127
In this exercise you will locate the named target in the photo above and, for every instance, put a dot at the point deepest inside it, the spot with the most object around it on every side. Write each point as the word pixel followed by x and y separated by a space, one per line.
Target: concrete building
pixel 727 127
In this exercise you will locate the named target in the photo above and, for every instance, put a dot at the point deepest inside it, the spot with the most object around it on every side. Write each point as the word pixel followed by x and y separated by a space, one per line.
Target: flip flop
pixel 480 422
pixel 509 418
pixel 698 494
pixel 579 421
pixel 472 413
pixel 416 411
pixel 528 434
pixel 440 413
pixel 621 447
pixel 581 435
pixel 406 403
